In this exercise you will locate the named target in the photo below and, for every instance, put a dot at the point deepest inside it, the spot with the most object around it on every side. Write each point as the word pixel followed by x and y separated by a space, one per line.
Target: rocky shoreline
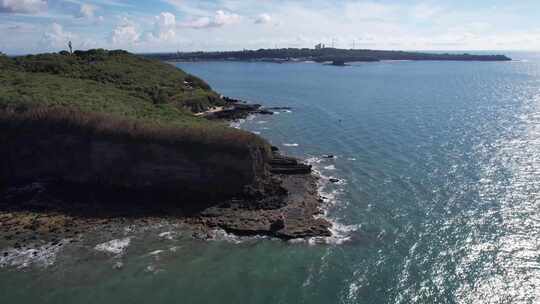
pixel 238 109
pixel 289 208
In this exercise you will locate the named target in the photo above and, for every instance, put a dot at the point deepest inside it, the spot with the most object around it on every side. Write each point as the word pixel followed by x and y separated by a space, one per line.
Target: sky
pixel 31 26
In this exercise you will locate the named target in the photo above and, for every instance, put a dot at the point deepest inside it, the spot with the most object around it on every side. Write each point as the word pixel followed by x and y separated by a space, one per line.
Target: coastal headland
pixel 100 137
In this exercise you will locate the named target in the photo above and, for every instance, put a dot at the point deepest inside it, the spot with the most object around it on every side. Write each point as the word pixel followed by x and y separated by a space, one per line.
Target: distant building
pixel 319 46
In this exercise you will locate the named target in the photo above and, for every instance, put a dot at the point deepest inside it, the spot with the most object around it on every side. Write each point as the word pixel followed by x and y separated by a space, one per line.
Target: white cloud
pixel 263 19
pixel 23 6
pixel 220 18
pixel 424 11
pixel 56 37
pixel 125 34
pixel 88 10
pixel 223 18
pixel 164 27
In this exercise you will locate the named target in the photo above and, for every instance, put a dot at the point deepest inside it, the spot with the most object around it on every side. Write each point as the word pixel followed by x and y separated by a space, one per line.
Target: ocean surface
pixel 438 199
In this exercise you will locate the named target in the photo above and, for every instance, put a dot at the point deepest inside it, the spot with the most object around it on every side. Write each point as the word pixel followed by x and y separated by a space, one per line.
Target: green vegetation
pixel 109 81
pixel 124 90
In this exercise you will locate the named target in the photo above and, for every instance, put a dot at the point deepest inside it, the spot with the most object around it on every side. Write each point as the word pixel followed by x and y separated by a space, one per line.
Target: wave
pixel 291 145
pixel 237 124
pixel 117 246
pixel 43 256
pixel 330 193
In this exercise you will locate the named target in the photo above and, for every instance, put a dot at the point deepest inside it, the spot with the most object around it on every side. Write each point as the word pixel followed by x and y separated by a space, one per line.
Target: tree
pixel 70 47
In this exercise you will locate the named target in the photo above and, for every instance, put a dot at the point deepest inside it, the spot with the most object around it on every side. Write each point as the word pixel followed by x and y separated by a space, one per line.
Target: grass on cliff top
pixel 117 84
pixel 197 140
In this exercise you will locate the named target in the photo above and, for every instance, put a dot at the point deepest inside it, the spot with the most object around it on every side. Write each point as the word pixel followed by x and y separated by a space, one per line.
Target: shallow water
pixel 438 199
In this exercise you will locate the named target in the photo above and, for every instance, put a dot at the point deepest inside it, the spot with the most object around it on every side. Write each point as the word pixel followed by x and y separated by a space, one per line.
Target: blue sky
pixel 29 26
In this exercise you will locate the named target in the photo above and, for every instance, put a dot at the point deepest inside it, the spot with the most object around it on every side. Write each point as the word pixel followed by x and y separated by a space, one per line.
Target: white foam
pixel 156 252
pixel 291 145
pixel 117 246
pixel 330 193
pixel 262 121
pixel 237 124
pixel 222 235
pixel 313 160
pixel 43 256
pixel 353 290
pixel 153 269
pixel 340 234
pixel 169 235
pixel 256 132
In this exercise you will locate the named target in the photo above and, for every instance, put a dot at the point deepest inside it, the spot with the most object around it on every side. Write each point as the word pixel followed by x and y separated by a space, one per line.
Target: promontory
pixel 100 134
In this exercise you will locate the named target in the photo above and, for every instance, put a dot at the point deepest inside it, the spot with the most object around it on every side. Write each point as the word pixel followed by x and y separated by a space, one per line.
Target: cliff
pixel 69 146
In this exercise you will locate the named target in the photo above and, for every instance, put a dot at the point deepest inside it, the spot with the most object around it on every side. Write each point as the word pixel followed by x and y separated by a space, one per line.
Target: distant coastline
pixel 321 55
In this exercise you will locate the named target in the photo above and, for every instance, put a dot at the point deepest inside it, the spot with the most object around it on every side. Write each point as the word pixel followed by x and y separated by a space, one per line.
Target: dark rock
pixel 265 112
pixel 277 225
pixel 287 165
pixel 291 170
pixel 279 108
pixel 329 156
pixel 334 180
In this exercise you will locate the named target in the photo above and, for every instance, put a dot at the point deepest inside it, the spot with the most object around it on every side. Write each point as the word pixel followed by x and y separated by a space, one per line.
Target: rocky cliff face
pixel 187 171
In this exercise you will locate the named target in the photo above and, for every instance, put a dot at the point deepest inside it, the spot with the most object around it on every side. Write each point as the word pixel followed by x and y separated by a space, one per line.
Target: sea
pixel 438 199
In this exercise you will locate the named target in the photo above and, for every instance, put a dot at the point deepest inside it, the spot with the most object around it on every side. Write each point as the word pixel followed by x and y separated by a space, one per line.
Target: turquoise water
pixel 439 200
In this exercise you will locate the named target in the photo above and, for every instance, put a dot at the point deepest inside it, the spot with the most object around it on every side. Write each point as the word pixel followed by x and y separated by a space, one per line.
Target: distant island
pixel 322 55
pixel 95 136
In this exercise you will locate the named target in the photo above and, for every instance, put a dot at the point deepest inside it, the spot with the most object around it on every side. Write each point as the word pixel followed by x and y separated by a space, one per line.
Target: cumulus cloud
pixel 164 27
pixel 57 37
pixel 125 34
pixel 263 19
pixel 23 6
pixel 220 18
